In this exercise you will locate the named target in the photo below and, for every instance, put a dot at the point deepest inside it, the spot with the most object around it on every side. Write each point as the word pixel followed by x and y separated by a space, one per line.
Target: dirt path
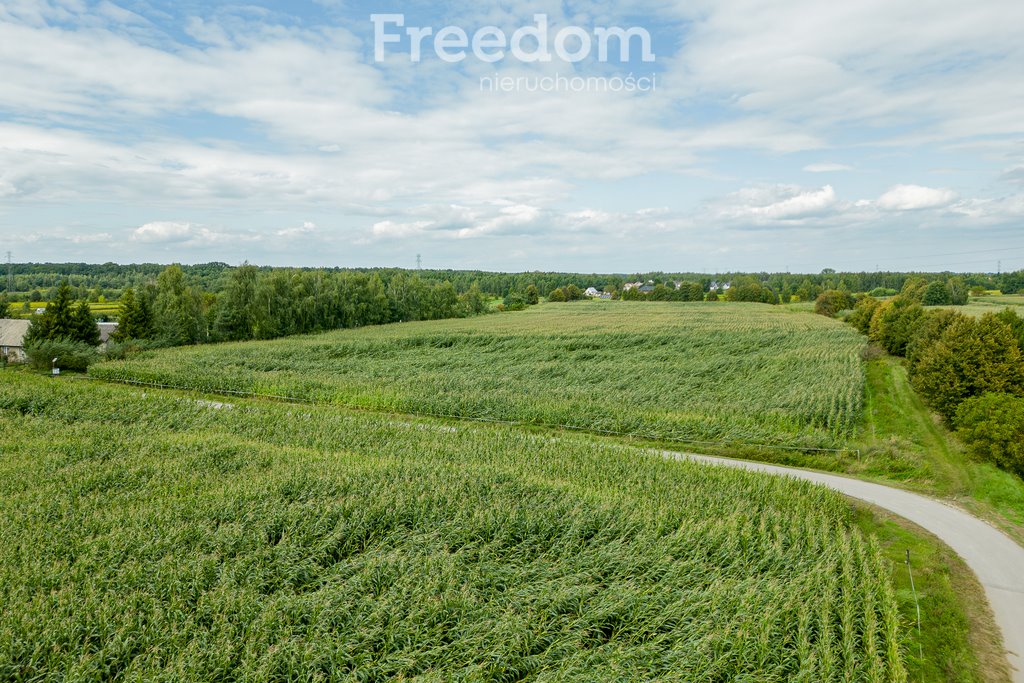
pixel 996 559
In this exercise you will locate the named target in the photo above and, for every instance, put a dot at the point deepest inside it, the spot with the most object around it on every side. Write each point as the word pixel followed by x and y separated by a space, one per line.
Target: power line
pixel 916 257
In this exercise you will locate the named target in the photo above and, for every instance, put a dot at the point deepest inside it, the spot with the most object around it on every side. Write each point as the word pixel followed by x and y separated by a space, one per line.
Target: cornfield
pixel 150 536
pixel 730 373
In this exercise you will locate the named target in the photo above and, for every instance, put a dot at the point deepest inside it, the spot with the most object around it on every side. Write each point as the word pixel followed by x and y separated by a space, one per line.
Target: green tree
pixel 914 289
pixel 532 295
pixel 927 330
pixel 238 307
pixel 863 310
pixel 750 290
pixel 992 426
pixel 970 358
pixel 378 309
pixel 473 300
pixel 557 295
pixel 1009 317
pixel 958 292
pixel 57 321
pixel 178 310
pixel 892 324
pixel 831 301
pixel 936 294
pixel 444 301
pixel 85 329
pixel 135 317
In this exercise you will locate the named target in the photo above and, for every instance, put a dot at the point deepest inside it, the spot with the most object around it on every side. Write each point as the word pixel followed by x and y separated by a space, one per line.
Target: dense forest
pixel 36 282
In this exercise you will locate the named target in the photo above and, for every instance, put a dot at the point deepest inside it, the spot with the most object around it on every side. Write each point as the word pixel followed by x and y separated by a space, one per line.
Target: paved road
pixel 997 560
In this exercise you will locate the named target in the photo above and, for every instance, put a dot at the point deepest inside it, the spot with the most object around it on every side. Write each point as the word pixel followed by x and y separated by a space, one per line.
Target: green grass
pixel 152 536
pixel 979 306
pixel 959 641
pixel 904 441
pixel 702 372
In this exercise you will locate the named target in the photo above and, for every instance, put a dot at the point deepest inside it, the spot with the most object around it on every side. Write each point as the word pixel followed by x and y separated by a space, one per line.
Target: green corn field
pixel 722 373
pixel 150 536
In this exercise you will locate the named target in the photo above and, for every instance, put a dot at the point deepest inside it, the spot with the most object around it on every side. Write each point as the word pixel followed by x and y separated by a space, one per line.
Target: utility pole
pixel 10 274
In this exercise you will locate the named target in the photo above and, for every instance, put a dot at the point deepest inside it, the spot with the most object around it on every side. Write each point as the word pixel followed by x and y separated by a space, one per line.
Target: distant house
pixel 646 289
pixel 592 292
pixel 719 286
pixel 12 335
pixel 632 285
pixel 106 329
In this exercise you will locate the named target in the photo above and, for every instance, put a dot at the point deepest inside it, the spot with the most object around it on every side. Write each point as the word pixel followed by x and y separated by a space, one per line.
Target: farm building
pixel 106 329
pixel 592 292
pixel 12 334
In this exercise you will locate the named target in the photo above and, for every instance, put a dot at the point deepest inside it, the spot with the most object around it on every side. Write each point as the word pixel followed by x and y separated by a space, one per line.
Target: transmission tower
pixel 10 274
pixel 419 262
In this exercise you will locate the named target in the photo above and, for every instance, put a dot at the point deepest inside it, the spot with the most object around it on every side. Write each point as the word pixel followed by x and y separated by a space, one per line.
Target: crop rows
pixel 156 537
pixel 719 372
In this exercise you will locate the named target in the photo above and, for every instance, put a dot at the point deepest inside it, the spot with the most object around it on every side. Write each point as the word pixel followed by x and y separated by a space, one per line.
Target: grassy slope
pixel 910 445
pixel 157 537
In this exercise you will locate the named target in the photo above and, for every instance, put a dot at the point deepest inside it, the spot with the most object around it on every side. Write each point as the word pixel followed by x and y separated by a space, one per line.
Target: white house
pixel 12 335
pixel 592 292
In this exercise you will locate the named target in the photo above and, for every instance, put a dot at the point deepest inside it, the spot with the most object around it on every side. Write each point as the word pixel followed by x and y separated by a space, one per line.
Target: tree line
pixel 970 370
pixel 38 282
pixel 254 304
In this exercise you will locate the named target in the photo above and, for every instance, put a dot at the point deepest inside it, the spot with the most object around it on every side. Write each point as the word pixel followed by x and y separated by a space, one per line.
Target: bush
pixel 862 313
pixel 970 358
pixel 831 301
pixel 928 330
pixel 937 294
pixel 992 426
pixel 893 323
pixel 129 348
pixel 70 355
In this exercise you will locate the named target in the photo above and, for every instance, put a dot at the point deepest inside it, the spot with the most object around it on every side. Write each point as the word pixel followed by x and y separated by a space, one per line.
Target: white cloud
pixel 305 230
pixel 915 197
pixel 827 168
pixel 767 204
pixel 164 231
pixel 190 234
pixel 96 238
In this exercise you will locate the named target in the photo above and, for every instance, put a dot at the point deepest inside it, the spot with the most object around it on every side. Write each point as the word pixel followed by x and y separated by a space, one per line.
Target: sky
pixel 792 135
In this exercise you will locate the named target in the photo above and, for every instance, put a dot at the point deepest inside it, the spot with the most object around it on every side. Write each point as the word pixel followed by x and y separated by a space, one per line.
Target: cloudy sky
pixel 785 135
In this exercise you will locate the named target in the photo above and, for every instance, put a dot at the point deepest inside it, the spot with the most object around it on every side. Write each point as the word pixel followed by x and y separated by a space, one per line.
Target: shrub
pixel 970 358
pixel 862 312
pixel 70 355
pixel 831 301
pixel 927 331
pixel 893 323
pixel 937 294
pixel 992 426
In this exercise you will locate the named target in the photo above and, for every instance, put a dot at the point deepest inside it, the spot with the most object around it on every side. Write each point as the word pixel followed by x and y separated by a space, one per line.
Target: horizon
pixel 781 138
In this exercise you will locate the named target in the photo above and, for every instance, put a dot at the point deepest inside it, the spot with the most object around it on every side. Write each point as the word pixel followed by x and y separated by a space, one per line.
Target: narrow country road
pixel 997 560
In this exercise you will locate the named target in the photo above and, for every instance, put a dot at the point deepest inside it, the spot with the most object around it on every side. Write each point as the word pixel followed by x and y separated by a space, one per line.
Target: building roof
pixel 106 329
pixel 12 332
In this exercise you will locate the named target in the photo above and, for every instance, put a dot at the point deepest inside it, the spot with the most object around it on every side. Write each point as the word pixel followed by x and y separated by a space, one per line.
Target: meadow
pixel 153 536
pixel 702 372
